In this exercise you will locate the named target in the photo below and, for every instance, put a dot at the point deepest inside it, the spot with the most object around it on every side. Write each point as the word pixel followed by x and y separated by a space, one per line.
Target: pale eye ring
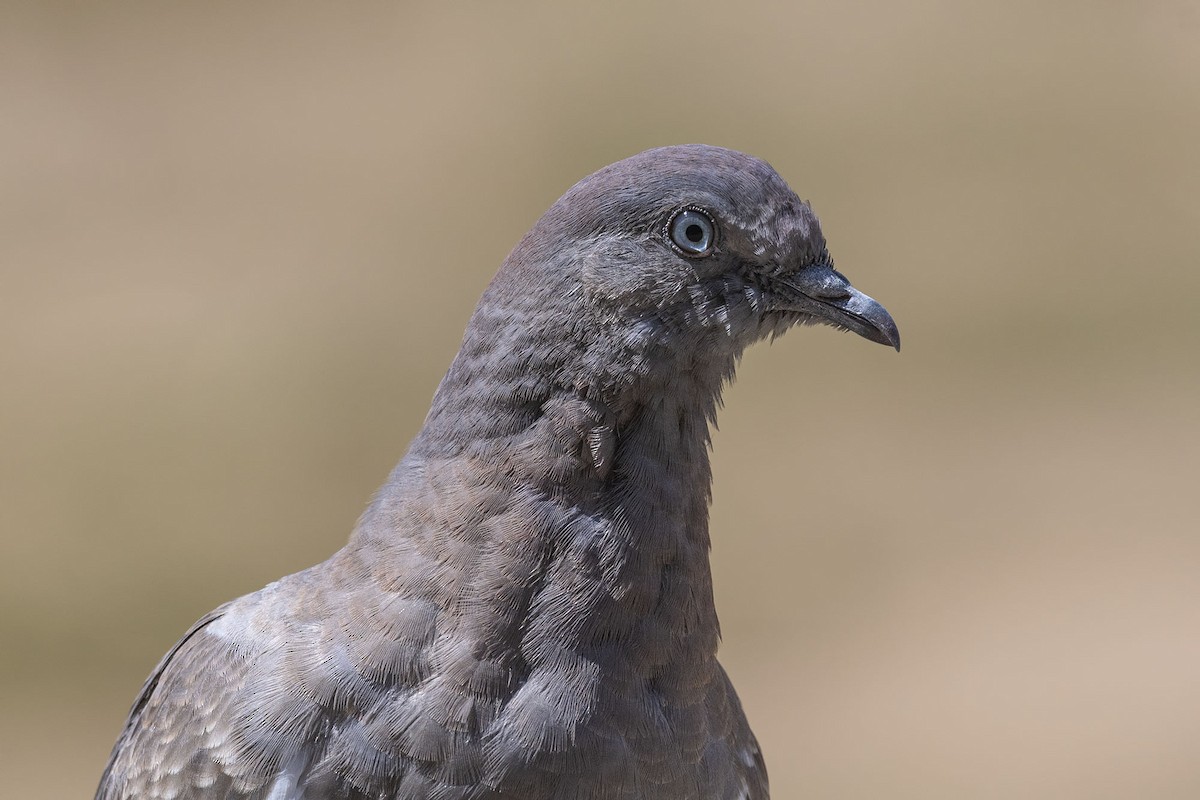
pixel 693 232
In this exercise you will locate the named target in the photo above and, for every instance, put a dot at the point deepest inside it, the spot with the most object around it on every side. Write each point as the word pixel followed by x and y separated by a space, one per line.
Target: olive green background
pixel 239 243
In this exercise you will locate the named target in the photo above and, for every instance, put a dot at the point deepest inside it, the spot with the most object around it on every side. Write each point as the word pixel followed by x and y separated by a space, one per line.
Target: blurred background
pixel 239 243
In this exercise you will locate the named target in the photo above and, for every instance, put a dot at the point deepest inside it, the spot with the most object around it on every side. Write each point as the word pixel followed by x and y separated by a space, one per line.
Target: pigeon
pixel 525 610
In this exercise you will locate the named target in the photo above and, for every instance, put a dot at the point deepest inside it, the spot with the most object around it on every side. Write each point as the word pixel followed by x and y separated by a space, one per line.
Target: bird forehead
pixel 790 223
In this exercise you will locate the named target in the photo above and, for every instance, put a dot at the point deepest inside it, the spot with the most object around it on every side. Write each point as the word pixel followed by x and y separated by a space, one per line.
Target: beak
pixel 821 291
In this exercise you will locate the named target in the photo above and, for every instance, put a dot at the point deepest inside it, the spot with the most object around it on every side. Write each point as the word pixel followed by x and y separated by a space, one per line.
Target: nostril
pixel 821 282
pixel 834 293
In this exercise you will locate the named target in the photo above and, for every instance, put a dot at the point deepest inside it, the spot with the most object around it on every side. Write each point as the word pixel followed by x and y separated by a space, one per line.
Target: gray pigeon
pixel 526 610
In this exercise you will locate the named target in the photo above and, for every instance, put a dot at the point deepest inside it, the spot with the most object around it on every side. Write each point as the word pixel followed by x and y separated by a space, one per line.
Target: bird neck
pixel 661 577
pixel 567 522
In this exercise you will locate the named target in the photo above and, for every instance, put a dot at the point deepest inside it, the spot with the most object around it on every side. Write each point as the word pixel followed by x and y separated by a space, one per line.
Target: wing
pixel 188 734
pixel 284 694
pixel 162 747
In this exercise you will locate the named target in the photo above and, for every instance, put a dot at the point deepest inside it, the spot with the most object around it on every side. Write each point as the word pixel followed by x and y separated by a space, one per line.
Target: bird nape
pixel 525 610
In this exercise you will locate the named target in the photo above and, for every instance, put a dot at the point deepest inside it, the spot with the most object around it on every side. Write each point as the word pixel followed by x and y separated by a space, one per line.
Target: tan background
pixel 239 242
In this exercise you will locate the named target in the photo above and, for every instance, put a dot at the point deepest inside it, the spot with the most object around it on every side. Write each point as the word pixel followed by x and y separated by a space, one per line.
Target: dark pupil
pixel 694 233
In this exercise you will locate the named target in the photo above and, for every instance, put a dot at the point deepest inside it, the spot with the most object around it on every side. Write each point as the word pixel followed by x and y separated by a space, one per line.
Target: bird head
pixel 703 243
pixel 669 263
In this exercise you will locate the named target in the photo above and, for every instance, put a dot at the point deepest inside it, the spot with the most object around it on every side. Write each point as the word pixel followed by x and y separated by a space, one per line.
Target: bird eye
pixel 693 232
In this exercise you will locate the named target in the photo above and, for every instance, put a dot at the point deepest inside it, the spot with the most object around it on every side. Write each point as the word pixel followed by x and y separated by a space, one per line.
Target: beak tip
pixel 893 337
pixel 884 328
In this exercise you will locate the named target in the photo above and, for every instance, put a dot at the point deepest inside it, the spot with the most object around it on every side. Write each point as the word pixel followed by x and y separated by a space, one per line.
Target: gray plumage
pixel 525 610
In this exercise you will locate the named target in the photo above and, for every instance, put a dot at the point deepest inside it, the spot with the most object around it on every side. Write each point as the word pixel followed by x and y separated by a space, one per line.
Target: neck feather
pixel 564 513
